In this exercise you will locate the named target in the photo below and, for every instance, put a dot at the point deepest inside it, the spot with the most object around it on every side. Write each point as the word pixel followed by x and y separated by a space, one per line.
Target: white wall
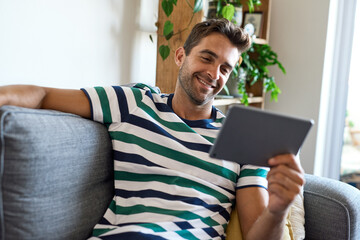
pixel 77 43
pixel 298 35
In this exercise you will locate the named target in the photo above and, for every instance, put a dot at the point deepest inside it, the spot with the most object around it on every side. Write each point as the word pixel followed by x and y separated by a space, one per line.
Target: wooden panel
pixel 167 71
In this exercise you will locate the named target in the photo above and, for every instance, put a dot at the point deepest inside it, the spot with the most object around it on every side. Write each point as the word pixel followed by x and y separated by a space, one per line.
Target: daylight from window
pixel 350 162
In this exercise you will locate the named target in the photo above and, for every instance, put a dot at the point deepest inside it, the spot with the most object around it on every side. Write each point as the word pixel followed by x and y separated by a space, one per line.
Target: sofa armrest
pixel 332 209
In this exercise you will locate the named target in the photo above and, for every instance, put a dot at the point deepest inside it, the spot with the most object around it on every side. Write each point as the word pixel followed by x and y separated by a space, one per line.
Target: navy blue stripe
pixel 189 200
pixel 184 225
pixel 133 158
pixel 254 185
pixel 132 235
pixel 104 221
pixel 162 107
pixel 203 123
pixel 151 126
pixel 232 192
pixel 211 232
pixel 122 101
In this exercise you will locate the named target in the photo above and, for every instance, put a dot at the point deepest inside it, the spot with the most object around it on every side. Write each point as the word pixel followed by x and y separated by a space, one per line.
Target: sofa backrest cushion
pixel 56 174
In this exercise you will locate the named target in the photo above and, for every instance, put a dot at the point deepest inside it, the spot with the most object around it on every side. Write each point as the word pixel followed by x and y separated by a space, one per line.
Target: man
pixel 166 185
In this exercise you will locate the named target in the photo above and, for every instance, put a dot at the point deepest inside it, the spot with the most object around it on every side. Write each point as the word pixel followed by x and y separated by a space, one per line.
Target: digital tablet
pixel 252 136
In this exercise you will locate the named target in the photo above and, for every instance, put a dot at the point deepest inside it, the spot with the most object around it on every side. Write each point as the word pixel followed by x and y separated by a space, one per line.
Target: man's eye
pixel 206 59
pixel 224 70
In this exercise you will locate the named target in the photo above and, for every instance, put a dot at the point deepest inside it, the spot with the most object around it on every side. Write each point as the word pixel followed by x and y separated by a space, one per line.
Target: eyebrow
pixel 216 56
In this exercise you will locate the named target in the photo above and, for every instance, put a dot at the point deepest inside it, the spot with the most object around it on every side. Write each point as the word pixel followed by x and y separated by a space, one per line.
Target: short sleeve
pixel 252 176
pixel 108 104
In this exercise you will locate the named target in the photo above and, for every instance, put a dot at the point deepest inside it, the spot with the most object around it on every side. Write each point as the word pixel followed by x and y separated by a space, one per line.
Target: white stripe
pixel 206 132
pixel 177 169
pixel 170 205
pixel 254 167
pixel 114 104
pixel 171 143
pixel 131 101
pixel 252 180
pixel 169 226
pixel 165 221
pixel 96 105
pixel 169 189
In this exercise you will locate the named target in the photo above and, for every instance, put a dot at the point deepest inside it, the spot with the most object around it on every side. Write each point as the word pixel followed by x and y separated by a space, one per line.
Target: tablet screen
pixel 252 136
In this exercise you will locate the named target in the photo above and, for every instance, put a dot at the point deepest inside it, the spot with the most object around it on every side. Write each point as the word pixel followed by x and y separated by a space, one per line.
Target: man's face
pixel 204 72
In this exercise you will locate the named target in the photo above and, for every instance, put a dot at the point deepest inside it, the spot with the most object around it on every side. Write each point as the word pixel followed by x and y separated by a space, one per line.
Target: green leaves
pixel 252 4
pixel 164 51
pixel 167 6
pixel 228 12
pixel 197 6
pixel 256 67
pixel 168 30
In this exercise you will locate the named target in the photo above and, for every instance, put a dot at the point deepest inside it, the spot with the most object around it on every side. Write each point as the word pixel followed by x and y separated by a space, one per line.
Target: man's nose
pixel 214 72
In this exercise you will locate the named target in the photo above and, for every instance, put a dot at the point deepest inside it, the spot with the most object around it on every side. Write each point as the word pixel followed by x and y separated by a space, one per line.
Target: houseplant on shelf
pixel 254 67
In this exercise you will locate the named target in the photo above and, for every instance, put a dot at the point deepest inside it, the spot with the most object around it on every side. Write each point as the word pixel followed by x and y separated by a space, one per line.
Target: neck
pixel 185 108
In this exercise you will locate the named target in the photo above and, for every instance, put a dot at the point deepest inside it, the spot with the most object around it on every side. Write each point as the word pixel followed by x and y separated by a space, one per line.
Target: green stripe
pixel 135 209
pixel 210 139
pixel 171 180
pixel 105 106
pixel 152 226
pixel 253 172
pixel 186 234
pixel 156 228
pixel 219 120
pixel 144 86
pixel 176 126
pixel 98 231
pixel 174 154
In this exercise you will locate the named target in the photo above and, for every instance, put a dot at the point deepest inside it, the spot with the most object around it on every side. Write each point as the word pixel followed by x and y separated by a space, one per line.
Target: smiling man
pixel 166 185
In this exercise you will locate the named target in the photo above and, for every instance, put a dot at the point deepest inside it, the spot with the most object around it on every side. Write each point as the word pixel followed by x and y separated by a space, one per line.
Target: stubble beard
pixel 186 80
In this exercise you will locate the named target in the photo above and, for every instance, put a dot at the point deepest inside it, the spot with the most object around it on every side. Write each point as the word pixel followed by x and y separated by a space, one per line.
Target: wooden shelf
pixel 230 101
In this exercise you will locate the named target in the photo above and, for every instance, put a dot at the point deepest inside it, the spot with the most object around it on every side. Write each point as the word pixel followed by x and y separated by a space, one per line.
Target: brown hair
pixel 235 34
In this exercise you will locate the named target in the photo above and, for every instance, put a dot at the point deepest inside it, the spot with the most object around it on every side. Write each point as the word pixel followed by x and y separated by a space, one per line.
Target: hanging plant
pixel 168 31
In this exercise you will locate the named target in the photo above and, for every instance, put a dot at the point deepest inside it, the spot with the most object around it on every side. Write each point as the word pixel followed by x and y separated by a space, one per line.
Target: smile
pixel 204 83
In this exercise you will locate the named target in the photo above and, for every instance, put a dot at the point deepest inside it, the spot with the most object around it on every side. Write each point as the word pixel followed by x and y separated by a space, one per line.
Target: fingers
pixel 286 159
pixel 284 175
pixel 285 180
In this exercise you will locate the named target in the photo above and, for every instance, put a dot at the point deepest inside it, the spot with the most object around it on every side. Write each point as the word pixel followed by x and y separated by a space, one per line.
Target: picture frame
pixel 256 19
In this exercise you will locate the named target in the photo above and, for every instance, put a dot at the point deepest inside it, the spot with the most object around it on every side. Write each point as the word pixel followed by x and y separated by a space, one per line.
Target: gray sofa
pixel 57 180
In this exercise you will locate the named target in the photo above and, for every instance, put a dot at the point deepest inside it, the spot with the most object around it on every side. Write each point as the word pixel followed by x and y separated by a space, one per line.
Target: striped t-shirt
pixel 166 185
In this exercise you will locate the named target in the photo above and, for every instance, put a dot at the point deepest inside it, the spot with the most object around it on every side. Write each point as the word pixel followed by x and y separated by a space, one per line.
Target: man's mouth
pixel 204 82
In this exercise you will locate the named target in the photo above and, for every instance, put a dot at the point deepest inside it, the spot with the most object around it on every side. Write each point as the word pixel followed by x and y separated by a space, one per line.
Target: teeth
pixel 204 83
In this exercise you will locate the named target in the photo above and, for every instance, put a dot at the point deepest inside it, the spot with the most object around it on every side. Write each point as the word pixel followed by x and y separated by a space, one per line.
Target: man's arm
pixel 262 213
pixel 65 100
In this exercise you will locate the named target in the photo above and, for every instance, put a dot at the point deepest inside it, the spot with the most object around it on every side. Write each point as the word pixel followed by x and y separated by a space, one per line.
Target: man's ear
pixel 179 56
pixel 240 60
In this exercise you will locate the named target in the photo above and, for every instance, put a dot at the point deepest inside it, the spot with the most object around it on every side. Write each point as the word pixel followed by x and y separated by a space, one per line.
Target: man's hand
pixel 285 180
pixel 262 213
